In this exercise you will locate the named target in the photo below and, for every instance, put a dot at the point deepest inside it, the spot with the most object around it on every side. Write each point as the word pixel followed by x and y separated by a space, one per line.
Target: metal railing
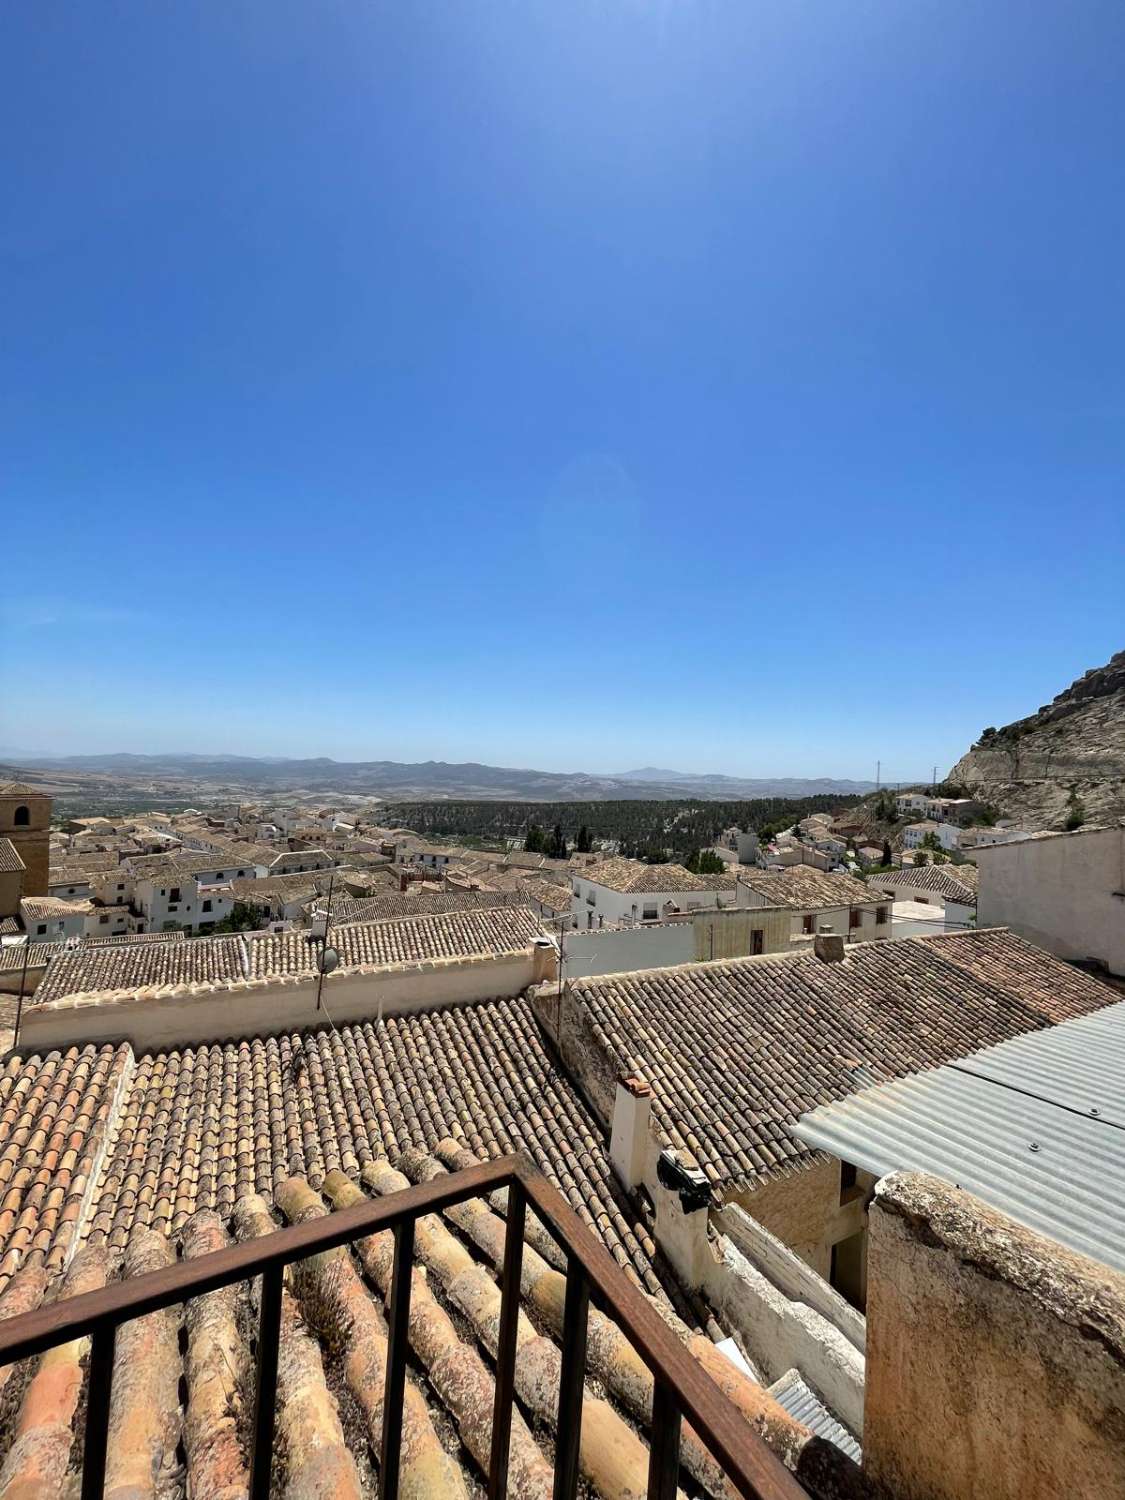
pixel 682 1386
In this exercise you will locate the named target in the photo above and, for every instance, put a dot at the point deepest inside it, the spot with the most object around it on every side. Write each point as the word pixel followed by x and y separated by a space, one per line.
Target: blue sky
pixel 729 386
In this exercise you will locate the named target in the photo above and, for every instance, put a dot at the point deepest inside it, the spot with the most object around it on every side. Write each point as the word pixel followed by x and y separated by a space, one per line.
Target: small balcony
pixel 682 1423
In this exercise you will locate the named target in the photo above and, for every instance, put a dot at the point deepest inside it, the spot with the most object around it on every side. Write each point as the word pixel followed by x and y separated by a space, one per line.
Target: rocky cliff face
pixel 1076 741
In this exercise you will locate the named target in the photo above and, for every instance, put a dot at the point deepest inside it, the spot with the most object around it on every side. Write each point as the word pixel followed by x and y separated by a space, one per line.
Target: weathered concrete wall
pixel 178 1017
pixel 995 1358
pixel 620 950
pixel 1064 894
pixel 10 978
pixel 789 1273
pixel 782 1334
pixel 729 934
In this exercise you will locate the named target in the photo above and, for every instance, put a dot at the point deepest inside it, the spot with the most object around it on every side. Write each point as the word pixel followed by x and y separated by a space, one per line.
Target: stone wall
pixel 32 839
pixel 995 1358
pixel 803 1209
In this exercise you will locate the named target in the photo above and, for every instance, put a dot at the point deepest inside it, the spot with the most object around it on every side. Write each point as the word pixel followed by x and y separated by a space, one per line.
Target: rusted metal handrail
pixel 682 1387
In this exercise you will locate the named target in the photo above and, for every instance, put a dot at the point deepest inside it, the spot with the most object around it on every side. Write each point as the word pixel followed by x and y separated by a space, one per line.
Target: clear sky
pixel 719 384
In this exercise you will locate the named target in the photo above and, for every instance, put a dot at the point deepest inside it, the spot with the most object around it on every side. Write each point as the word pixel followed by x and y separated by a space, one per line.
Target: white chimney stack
pixel 629 1137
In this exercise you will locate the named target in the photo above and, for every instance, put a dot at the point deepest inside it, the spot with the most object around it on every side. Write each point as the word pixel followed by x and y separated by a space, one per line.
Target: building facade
pixel 1063 891
pixel 25 819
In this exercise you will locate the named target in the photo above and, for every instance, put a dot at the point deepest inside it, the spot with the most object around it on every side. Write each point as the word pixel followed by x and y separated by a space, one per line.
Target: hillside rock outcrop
pixel 1077 741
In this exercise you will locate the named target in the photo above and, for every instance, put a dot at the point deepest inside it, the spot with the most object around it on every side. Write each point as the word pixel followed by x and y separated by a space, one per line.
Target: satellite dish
pixel 329 959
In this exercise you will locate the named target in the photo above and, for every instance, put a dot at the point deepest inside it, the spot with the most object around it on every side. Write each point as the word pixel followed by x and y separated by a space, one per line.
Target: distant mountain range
pixel 426 780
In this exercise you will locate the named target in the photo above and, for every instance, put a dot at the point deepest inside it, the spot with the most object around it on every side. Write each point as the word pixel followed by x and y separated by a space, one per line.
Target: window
pixel 855 917
pixel 649 914
pixel 174 893
pixel 757 941
pixel 41 929
pixel 881 916
pixel 847 1181
pixel 206 906
pixel 22 817
pixel 808 924
pixel 120 885
pixel 241 874
pixel 103 919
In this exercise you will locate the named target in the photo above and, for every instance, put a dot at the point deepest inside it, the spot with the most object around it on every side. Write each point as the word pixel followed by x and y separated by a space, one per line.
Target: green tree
pixel 536 840
pixel 555 846
pixel 243 918
pixel 931 841
pixel 1076 811
pixel 888 858
pixel 704 862
pixel 583 844
pixel 921 858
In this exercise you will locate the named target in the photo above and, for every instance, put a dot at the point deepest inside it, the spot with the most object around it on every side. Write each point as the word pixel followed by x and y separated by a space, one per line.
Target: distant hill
pixel 1077 741
pixel 430 779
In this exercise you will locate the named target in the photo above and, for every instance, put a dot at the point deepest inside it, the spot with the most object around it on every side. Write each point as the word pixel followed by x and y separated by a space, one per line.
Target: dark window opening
pixel 22 817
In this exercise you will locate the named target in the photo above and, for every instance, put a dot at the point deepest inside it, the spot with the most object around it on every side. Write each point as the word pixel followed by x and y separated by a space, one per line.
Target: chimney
pixel 829 946
pixel 681 1196
pixel 544 961
pixel 629 1138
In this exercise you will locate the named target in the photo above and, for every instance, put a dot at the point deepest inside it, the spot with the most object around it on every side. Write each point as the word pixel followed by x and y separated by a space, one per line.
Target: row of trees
pixel 642 829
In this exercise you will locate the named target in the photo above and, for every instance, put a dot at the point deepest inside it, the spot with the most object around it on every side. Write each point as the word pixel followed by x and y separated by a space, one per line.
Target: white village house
pixel 627 891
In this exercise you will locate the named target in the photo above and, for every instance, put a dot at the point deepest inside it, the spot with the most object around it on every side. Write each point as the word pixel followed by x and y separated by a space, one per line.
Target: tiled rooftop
pixel 202 1126
pixel 180 1410
pixel 38 954
pixel 407 940
pixel 232 960
pixel 736 1051
pixel 54 1110
pixel 10 861
pixel 51 908
pixel 629 875
pixel 955 882
pixel 115 967
pixel 419 903
pixel 803 888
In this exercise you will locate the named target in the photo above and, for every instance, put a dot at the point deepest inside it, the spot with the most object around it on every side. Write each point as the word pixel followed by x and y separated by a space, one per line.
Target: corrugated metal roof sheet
pixel 805 1405
pixel 1034 1126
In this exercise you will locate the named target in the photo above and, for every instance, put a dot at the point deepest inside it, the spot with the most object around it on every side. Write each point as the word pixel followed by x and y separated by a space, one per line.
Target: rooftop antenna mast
pixel 328 958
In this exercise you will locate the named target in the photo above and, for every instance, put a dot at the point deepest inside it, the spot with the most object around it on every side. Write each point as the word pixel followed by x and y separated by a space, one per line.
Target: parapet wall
pixel 995 1358
pixel 179 1016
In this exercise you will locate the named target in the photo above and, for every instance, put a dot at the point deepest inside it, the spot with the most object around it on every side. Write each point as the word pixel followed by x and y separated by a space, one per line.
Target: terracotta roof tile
pixel 736 1051
pixel 801 887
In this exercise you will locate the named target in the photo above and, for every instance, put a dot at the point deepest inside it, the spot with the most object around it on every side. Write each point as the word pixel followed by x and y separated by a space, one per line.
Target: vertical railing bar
pixel 664 1452
pixel 394 1385
pixel 506 1344
pixel 265 1401
pixel 572 1381
pixel 99 1384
